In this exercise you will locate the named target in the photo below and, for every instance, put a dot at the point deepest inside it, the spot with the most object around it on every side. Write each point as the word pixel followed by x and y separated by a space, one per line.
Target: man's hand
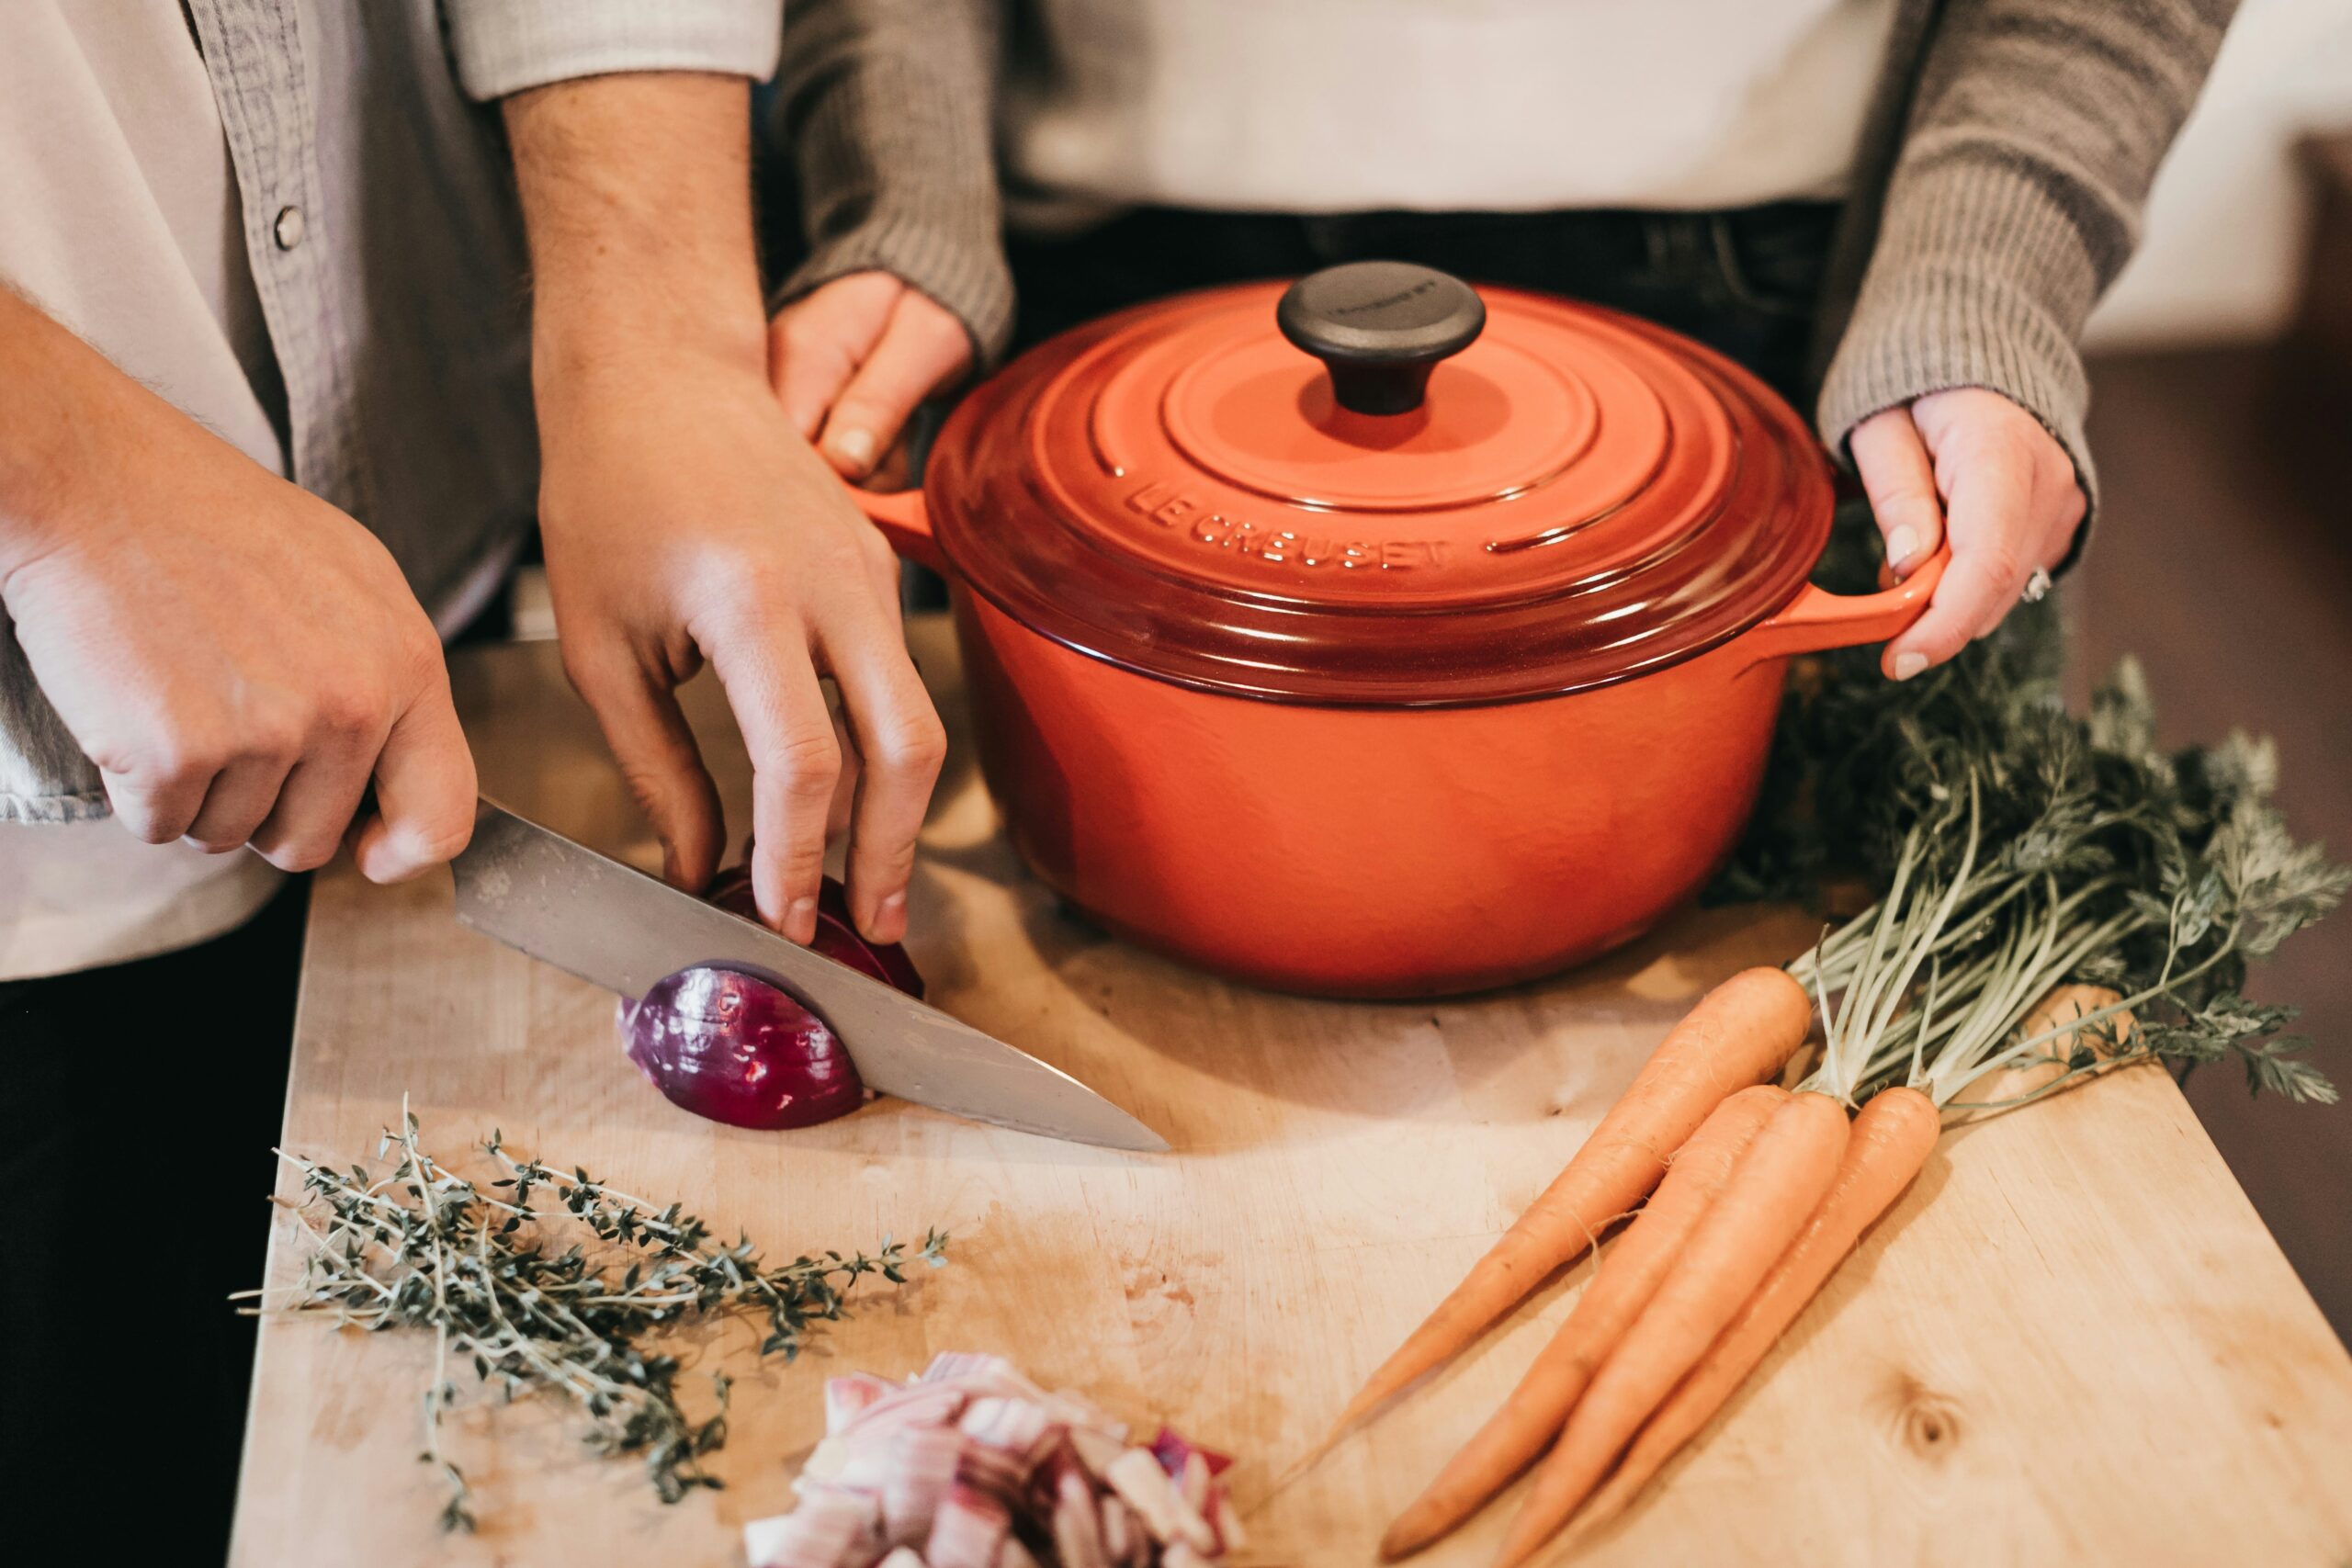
pixel 1970 464
pixel 237 657
pixel 686 520
pixel 852 360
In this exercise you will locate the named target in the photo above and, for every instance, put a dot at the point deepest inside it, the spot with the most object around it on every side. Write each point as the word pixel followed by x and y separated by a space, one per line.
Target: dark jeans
pixel 139 1107
pixel 1744 282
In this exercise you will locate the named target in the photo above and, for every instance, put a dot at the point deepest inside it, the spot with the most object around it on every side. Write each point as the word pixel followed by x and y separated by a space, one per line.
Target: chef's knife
pixel 617 927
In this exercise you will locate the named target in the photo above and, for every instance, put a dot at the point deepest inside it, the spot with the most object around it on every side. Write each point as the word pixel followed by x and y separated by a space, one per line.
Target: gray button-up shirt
pixel 387 248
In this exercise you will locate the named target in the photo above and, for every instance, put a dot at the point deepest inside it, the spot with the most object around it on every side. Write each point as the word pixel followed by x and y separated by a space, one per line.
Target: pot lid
pixel 1377 488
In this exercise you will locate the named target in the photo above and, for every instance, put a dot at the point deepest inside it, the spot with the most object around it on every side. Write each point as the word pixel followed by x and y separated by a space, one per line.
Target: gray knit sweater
pixel 1997 191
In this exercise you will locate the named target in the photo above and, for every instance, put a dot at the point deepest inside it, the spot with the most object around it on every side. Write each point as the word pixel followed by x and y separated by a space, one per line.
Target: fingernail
pixel 890 917
pixel 857 446
pixel 1909 664
pixel 800 920
pixel 1901 545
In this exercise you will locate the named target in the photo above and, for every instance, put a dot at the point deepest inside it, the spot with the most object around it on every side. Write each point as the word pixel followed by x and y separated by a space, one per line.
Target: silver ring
pixel 2037 586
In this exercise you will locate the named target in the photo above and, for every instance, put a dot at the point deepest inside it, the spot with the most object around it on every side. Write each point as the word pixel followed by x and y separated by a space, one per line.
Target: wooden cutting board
pixel 2072 1342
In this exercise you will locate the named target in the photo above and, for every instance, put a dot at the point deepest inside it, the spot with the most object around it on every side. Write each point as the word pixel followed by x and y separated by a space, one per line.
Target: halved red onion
pixel 734 1048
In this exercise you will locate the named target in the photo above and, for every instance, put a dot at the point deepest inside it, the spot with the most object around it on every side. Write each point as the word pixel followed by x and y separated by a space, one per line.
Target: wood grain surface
pixel 2072 1342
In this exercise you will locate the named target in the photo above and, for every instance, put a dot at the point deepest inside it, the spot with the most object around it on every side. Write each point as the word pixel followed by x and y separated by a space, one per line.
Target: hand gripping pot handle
pixel 1818 619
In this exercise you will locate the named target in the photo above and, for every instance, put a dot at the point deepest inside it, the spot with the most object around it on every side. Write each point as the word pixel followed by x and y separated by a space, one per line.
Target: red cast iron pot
pixel 1445 662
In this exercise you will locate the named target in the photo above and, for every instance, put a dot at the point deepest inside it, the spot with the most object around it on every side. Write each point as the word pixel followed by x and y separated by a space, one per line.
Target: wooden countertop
pixel 2073 1341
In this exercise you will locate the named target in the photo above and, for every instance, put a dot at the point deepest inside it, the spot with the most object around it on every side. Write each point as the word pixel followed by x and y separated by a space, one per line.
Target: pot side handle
pixel 905 521
pixel 1818 619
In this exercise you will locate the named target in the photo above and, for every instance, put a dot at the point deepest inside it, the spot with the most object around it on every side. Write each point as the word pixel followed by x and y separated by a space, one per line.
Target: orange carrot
pixel 1531 1417
pixel 1773 1192
pixel 1741 1033
pixel 1891 1140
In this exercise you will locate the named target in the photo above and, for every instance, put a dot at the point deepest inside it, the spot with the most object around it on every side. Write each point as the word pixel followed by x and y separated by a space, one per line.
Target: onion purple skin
pixel 736 1049
pixel 733 1048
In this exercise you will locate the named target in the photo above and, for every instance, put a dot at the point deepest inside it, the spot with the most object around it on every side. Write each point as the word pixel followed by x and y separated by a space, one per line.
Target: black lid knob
pixel 1380 328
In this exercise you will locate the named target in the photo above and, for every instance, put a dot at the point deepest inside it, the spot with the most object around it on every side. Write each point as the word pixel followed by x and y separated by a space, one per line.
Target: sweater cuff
pixel 1980 279
pixel 503 47
pixel 896 176
pixel 970 279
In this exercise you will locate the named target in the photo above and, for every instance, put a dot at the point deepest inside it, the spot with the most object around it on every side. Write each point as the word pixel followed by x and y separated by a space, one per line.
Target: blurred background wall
pixel 2223 253
pixel 2221 556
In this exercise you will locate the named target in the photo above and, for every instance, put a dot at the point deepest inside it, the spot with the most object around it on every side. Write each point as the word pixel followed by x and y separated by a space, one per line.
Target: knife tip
pixel 1136 1138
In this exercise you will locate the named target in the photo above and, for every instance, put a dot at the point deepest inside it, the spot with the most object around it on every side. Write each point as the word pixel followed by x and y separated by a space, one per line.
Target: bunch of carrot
pixel 1754 1195
pixel 1749 1196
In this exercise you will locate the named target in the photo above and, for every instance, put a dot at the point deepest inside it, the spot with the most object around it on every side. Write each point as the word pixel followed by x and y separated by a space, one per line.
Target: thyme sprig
pixel 487 1274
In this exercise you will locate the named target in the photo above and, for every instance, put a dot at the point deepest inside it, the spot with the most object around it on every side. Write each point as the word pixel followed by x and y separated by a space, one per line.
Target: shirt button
pixel 288 227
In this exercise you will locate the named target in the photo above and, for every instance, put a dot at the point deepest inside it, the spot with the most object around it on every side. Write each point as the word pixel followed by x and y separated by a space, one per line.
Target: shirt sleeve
pixel 507 46
pixel 887 106
pixel 2016 197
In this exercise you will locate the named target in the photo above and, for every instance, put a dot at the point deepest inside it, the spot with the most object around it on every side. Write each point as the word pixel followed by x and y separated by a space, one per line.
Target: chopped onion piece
pixel 868 1461
pixel 970 1529
pixel 825 1463
pixel 1226 1520
pixel 997 1471
pixel 1192 1485
pixel 845 1396
pixel 1019 1428
pixel 970 1465
pixel 910 1405
pixel 1076 1524
pixel 919 1476
pixel 1172 1449
pixel 1137 1477
pixel 1122 1537
pixel 1069 1410
pixel 830 1529
pixel 1095 1451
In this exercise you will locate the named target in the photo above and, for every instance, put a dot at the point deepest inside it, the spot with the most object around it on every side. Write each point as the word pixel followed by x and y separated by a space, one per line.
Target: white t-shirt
pixel 1338 105
pixel 121 221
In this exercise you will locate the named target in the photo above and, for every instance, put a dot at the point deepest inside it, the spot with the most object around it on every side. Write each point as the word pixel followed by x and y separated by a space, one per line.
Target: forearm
pixel 66 416
pixel 36 427
pixel 686 524
pixel 2035 134
pixel 887 109
pixel 636 197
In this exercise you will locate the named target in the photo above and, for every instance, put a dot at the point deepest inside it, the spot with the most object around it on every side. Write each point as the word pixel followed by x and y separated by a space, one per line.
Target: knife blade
pixel 614 927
